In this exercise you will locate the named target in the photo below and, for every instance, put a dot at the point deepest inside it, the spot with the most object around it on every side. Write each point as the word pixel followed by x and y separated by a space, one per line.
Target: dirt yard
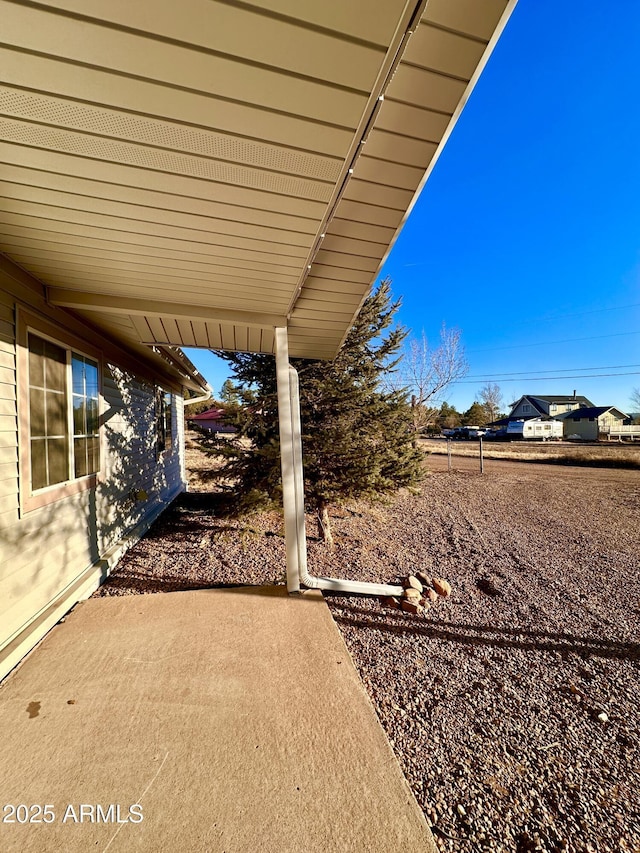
pixel 513 707
pixel 624 454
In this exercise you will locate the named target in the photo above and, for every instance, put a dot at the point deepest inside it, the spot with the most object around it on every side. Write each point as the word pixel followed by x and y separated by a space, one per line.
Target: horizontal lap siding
pixel 47 550
pixel 8 421
pixel 131 463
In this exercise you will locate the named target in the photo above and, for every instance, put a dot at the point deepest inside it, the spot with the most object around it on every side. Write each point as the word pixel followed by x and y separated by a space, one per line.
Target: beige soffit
pixel 198 173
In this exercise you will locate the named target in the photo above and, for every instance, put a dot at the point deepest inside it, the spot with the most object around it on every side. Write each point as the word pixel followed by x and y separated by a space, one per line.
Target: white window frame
pixel 30 499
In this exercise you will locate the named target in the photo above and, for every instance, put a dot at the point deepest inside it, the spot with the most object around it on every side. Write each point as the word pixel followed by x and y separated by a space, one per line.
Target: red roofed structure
pixel 211 420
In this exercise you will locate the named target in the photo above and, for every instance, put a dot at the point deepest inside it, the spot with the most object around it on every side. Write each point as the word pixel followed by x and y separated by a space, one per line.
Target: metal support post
pixel 293 487
pixel 287 462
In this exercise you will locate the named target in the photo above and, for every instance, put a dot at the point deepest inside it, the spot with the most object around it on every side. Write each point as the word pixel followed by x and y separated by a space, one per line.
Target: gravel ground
pixel 513 707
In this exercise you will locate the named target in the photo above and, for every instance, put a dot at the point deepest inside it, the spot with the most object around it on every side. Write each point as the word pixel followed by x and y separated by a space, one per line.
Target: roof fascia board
pixel 409 19
pixel 184 364
pixel 497 33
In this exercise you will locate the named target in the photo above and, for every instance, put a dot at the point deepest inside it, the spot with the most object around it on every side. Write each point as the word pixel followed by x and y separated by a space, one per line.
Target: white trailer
pixel 535 428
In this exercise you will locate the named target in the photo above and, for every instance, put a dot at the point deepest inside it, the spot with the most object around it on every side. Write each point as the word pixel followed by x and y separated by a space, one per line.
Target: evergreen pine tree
pixel 449 416
pixel 476 415
pixel 229 393
pixel 357 437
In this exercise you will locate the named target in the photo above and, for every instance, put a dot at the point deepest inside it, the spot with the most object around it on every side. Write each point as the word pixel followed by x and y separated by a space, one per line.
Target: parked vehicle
pixel 464 433
pixel 535 429
pixel 497 434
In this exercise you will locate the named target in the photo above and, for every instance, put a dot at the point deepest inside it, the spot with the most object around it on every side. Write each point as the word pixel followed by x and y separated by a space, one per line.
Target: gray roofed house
pixel 549 405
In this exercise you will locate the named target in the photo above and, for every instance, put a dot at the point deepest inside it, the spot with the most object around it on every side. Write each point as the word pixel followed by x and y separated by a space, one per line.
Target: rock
pixel 425 580
pixel 412 582
pixel 442 587
pixel 411 606
pixel 390 601
pixel 432 595
pixel 461 810
pixel 411 594
pixel 604 718
pixel 425 603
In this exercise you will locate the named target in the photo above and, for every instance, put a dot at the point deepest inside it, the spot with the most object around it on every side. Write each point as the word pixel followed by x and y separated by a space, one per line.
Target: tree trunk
pixel 414 403
pixel 324 525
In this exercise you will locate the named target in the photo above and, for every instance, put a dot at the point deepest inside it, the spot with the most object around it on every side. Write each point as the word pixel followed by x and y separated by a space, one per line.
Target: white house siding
pixel 131 463
pixel 608 421
pixel 53 556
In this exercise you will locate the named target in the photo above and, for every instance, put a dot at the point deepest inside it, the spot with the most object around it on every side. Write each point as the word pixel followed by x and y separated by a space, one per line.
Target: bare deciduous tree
pixel 491 398
pixel 428 371
pixel 635 399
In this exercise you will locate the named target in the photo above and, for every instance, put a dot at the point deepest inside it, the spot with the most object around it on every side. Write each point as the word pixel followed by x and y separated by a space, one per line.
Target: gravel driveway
pixel 513 707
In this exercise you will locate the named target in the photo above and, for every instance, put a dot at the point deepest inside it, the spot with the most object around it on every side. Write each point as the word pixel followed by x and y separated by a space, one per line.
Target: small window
pixel 576 420
pixel 164 421
pixel 553 407
pixel 526 407
pixel 86 445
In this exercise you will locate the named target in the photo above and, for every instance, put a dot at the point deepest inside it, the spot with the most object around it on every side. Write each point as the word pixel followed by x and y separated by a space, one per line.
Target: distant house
pixel 533 406
pixel 212 420
pixel 590 422
pixel 544 411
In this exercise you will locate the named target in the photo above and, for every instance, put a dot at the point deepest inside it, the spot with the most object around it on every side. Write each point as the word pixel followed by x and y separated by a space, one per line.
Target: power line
pixel 545 378
pixel 592 311
pixel 556 370
pixel 562 341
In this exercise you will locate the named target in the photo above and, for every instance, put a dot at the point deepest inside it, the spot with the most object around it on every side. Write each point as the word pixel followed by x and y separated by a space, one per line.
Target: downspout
pixel 293 487
pixel 202 399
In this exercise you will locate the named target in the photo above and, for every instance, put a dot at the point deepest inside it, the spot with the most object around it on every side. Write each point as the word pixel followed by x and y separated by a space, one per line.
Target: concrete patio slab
pixel 229 721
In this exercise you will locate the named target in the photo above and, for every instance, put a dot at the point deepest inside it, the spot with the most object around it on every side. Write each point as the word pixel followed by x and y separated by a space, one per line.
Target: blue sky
pixel 527 234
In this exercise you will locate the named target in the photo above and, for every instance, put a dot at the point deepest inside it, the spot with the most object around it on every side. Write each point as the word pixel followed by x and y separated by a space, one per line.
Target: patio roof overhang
pixel 201 173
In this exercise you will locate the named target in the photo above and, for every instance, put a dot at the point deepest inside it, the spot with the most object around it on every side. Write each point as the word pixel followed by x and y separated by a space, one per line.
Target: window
pixel 48 405
pixel 526 407
pixel 164 423
pixel 59 407
pixel 553 407
pixel 86 444
pixel 63 414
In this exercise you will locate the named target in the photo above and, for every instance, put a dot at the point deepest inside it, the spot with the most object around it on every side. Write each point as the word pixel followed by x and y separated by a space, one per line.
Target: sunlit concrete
pixel 235 719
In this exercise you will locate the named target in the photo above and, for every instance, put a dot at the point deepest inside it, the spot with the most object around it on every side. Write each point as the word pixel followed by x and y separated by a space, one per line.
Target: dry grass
pixel 605 455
